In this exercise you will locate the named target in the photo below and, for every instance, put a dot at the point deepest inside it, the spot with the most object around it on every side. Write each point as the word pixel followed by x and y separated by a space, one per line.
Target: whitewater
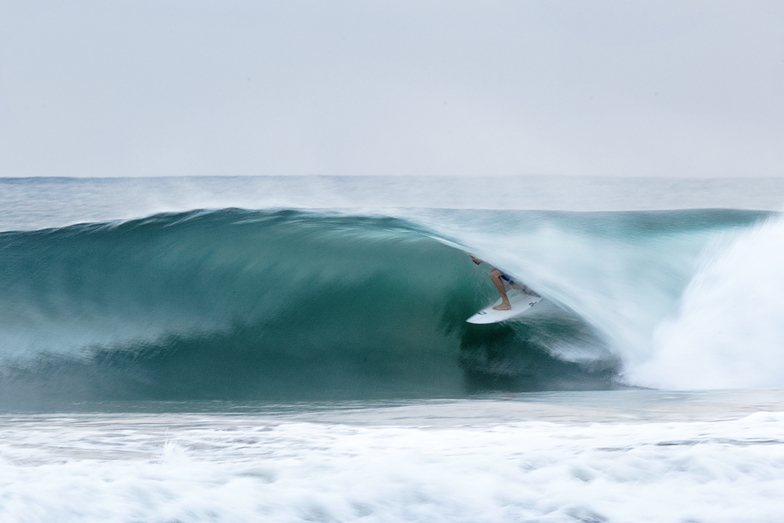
pixel 295 349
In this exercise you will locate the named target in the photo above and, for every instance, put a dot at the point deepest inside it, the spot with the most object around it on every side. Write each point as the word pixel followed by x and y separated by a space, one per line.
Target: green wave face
pixel 244 305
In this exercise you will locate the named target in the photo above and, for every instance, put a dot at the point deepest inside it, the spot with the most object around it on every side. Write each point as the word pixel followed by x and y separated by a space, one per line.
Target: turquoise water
pixel 281 349
pixel 292 305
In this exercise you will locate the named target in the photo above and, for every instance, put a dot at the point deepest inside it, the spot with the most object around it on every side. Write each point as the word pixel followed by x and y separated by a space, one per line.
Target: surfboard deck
pixel 521 302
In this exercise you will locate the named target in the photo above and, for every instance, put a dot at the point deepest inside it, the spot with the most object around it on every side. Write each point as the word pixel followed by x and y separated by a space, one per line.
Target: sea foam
pixel 729 328
pixel 200 467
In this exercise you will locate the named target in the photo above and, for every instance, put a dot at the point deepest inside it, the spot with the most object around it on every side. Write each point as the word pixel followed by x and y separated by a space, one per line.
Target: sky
pixel 685 88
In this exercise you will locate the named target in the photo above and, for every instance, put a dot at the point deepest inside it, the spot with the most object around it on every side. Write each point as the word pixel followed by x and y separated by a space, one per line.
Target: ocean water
pixel 295 349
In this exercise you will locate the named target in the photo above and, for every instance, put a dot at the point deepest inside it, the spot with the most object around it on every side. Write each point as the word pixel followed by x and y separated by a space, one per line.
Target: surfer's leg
pixel 495 274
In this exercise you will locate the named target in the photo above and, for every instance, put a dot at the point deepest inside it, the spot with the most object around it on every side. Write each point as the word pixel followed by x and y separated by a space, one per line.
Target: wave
pixel 290 305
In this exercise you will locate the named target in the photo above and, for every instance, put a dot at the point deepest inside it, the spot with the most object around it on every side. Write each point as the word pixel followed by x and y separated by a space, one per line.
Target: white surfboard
pixel 521 302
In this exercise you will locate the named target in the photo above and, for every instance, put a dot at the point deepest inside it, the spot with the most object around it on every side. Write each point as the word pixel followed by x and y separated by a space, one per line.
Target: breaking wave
pixel 291 305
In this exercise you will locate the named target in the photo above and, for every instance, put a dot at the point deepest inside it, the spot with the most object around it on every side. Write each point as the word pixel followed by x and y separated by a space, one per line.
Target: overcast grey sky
pixel 164 87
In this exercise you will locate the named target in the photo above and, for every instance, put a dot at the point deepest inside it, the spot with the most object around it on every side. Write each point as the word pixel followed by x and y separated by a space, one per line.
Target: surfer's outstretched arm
pixel 495 274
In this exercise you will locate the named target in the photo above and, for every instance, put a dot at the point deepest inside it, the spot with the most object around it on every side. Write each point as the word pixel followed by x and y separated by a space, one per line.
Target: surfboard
pixel 521 302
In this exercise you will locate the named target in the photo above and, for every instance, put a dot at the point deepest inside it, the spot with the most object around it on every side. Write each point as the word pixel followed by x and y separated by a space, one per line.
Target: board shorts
pixel 507 278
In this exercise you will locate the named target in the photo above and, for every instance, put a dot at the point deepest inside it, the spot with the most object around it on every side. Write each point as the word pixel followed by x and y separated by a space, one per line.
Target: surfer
pixel 501 280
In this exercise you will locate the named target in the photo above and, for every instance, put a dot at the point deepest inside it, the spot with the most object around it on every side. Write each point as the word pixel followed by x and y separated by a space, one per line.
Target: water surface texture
pixel 295 349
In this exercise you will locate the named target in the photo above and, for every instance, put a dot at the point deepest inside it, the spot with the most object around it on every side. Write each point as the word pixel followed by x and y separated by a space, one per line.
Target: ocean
pixel 291 349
